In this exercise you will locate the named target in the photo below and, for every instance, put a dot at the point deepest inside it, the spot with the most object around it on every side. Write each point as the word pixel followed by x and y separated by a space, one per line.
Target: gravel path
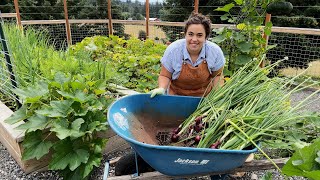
pixel 10 170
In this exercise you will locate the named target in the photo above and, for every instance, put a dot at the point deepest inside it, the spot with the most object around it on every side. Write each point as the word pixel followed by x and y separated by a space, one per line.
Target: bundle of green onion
pixel 246 109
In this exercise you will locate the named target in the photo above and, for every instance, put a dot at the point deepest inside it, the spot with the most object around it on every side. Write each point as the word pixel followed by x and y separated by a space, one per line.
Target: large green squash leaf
pixel 35 146
pixel 67 155
pixel 17 116
pixel 33 94
pixel 57 109
pixel 304 162
pixel 245 47
pixel 64 130
pixel 35 122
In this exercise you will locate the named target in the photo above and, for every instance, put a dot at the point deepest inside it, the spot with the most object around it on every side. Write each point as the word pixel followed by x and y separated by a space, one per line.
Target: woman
pixel 191 66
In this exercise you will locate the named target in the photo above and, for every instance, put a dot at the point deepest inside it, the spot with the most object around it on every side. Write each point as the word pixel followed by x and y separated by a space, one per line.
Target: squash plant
pixel 137 62
pixel 63 116
pixel 243 43
pixel 305 162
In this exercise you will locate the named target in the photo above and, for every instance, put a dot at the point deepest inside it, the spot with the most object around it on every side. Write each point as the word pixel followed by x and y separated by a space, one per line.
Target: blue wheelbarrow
pixel 138 118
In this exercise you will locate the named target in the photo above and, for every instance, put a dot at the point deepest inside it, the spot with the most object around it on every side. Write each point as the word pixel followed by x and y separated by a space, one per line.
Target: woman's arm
pixel 218 79
pixel 164 78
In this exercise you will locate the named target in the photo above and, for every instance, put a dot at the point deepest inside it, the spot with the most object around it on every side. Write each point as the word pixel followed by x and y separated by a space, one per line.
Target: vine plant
pixel 63 117
pixel 244 42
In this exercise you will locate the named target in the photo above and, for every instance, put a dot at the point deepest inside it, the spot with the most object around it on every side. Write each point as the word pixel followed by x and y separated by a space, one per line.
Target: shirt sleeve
pixel 219 59
pixel 215 56
pixel 166 59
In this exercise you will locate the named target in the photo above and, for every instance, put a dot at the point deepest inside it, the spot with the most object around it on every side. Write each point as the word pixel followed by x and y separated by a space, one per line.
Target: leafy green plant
pixel 64 116
pixel 137 62
pixel 296 136
pixel 142 35
pixel 305 162
pixel 34 58
pixel 243 43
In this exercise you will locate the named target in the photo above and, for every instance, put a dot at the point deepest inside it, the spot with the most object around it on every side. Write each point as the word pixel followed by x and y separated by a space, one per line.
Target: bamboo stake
pixel 265 36
pixel 109 18
pixel 68 32
pixel 16 7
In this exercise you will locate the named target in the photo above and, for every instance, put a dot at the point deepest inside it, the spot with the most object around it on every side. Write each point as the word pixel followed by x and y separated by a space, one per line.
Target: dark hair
pixel 197 18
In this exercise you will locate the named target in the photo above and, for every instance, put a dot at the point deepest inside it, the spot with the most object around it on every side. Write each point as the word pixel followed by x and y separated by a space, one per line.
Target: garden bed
pixel 10 169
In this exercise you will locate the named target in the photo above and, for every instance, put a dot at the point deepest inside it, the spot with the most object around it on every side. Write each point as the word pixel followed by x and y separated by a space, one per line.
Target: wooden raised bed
pixel 254 165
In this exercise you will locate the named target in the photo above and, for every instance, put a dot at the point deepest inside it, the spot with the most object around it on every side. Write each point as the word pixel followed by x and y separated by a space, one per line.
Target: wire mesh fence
pixel 56 32
pixel 81 30
pixel 303 52
pixel 128 20
pixel 7 76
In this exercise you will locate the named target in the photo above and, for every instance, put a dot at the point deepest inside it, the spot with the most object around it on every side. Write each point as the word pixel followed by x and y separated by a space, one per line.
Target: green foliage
pixel 63 102
pixel 34 58
pixel 294 21
pixel 305 162
pixel 279 8
pixel 298 135
pixel 245 42
pixel 312 12
pixel 142 35
pixel 64 116
pixel 136 61
pixel 267 176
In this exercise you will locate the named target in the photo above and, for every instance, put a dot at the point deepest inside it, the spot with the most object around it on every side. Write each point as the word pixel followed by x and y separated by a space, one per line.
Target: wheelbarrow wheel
pixel 127 165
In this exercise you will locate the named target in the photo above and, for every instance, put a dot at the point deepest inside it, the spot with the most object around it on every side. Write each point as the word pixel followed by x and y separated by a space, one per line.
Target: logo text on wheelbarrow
pixel 192 161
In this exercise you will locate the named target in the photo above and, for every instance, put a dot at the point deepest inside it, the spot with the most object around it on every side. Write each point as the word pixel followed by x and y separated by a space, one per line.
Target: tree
pixel 6 6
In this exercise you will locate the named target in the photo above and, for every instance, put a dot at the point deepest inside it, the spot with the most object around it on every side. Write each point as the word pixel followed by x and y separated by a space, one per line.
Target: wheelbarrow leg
pixel 107 167
pixel 106 170
pixel 130 164
pixel 137 168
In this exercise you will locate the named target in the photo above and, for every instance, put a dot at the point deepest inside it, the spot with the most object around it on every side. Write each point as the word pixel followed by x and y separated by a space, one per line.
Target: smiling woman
pixel 191 66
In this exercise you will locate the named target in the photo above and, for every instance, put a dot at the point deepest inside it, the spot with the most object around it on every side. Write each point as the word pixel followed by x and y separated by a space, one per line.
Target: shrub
pixel 312 12
pixel 142 35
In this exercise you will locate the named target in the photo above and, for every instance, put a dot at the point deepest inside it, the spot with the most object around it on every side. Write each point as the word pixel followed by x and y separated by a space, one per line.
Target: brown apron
pixel 192 81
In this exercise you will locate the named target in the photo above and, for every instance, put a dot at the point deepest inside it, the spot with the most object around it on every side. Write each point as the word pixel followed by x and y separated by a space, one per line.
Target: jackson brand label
pixel 191 161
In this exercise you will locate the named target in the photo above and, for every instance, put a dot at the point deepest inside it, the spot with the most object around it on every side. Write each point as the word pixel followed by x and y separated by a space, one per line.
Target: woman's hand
pixel 157 91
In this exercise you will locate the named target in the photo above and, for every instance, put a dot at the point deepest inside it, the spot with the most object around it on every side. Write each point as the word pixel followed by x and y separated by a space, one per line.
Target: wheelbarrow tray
pixel 137 118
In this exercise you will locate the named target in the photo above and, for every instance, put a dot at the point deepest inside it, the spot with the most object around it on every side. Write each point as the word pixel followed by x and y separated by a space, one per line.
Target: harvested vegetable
pixel 245 110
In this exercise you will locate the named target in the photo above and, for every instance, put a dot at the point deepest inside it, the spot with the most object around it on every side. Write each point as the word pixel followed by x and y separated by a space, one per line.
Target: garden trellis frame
pixel 109 10
pixel 301 45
